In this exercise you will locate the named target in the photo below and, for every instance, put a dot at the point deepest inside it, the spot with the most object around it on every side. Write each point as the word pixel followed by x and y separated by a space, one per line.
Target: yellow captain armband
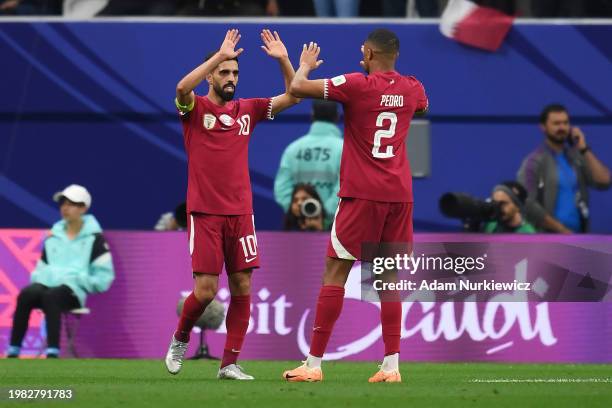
pixel 184 108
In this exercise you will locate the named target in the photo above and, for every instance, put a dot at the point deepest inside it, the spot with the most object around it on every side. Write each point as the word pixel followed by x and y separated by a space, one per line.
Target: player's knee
pixel 336 271
pixel 333 278
pixel 205 293
pixel 205 288
pixel 240 283
pixel 243 288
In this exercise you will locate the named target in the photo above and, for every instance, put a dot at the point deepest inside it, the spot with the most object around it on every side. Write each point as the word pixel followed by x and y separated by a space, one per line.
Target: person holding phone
pixel 558 175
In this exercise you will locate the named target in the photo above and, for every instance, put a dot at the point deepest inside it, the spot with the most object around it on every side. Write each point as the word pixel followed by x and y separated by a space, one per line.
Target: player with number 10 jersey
pixel 217 130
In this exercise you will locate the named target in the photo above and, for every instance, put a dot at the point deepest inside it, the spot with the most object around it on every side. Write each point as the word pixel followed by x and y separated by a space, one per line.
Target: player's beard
pixel 226 93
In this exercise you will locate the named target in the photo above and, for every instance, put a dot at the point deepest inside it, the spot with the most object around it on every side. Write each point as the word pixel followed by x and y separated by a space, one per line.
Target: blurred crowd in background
pixel 292 8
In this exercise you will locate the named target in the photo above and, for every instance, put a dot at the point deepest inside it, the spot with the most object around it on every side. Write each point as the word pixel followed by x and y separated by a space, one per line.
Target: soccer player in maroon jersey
pixel 217 130
pixel 375 184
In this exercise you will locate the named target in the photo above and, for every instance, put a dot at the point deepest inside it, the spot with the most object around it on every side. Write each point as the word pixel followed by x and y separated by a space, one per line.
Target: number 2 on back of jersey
pixel 384 133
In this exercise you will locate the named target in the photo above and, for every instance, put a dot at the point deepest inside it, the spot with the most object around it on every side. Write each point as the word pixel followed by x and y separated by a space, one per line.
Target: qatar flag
pixel 478 26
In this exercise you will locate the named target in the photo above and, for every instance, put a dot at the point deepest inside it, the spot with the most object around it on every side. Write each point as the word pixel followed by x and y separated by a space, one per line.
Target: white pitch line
pixel 500 347
pixel 543 380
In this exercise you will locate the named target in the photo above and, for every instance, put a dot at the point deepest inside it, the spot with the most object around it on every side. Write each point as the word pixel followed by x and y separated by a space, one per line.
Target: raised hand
pixel 309 56
pixel 227 49
pixel 273 45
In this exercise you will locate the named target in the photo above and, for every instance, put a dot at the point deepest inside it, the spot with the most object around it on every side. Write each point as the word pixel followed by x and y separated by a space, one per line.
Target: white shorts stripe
pixel 254 233
pixel 338 247
pixel 191 234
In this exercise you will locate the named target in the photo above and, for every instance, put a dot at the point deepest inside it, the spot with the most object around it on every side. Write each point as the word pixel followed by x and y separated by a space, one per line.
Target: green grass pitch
pixel 145 383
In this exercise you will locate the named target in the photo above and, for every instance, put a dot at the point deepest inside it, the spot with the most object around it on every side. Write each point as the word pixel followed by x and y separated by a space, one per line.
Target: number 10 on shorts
pixel 249 246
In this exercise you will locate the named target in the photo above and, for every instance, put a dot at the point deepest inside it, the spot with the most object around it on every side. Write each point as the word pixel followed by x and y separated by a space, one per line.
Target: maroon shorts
pixel 215 239
pixel 358 222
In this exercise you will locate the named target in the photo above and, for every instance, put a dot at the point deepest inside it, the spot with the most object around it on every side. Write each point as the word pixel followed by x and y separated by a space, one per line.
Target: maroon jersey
pixel 217 145
pixel 378 109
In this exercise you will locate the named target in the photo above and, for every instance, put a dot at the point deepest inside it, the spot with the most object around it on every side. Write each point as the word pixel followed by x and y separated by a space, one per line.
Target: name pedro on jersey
pixel 392 100
pixel 434 285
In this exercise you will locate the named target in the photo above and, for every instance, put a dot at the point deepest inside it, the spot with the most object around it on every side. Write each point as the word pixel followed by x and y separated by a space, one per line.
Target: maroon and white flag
pixel 474 25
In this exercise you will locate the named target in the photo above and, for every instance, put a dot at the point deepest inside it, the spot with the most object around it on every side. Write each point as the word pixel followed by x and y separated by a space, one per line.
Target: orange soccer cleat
pixel 303 374
pixel 386 376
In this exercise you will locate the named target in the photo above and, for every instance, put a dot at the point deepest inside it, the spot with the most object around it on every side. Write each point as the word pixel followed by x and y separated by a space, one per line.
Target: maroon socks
pixel 237 323
pixel 391 319
pixel 329 306
pixel 192 310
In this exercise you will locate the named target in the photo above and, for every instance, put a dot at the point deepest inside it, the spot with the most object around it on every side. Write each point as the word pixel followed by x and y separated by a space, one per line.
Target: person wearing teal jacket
pixel 75 261
pixel 313 159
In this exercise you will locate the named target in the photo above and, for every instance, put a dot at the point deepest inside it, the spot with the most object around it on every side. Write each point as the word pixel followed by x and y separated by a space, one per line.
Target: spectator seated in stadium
pixel 510 196
pixel 306 212
pixel 75 262
pixel 558 175
pixel 313 159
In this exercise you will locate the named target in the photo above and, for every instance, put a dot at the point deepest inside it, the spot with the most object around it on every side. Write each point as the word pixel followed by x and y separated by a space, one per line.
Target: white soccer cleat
pixel 233 372
pixel 175 356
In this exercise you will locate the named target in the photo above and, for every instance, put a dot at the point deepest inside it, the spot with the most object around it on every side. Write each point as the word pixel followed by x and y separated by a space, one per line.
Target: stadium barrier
pixel 136 317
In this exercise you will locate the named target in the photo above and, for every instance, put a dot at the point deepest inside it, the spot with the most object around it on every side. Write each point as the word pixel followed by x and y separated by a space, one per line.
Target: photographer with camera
pixel 558 174
pixel 502 213
pixel 510 197
pixel 314 159
pixel 306 212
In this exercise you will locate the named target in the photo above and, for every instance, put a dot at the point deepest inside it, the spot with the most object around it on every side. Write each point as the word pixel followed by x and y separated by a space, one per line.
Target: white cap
pixel 75 193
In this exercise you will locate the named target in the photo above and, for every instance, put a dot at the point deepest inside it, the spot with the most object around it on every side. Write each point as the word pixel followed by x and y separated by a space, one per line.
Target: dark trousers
pixel 52 301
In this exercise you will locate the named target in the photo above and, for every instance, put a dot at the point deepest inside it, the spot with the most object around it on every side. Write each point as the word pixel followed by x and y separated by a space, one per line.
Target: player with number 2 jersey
pixel 375 184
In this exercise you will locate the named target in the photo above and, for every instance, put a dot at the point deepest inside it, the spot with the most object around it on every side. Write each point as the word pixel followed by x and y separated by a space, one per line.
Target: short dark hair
pixel 212 54
pixel 326 111
pixel 385 40
pixel 553 107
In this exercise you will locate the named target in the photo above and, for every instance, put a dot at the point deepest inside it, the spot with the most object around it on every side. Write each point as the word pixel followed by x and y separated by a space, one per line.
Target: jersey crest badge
pixel 226 120
pixel 338 80
pixel 209 121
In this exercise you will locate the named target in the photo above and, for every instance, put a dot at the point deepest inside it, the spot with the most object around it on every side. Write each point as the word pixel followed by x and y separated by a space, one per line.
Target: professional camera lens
pixel 310 208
